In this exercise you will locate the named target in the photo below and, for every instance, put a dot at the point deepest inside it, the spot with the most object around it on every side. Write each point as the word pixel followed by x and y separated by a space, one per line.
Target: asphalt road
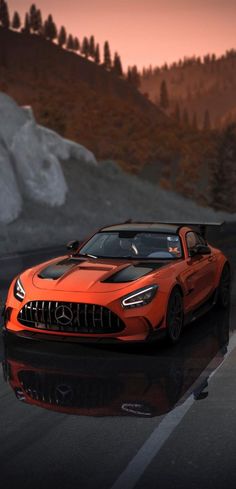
pixel 120 417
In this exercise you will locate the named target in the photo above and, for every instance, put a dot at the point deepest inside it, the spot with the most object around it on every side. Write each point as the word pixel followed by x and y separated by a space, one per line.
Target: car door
pixel 200 273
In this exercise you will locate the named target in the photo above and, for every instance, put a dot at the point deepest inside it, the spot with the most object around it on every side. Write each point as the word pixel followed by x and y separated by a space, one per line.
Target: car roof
pixel 153 227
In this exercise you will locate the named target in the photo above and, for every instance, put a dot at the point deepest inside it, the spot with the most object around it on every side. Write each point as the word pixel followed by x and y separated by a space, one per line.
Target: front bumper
pixel 140 324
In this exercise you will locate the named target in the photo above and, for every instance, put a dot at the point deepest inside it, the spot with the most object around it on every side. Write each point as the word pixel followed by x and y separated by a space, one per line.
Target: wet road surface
pixel 120 416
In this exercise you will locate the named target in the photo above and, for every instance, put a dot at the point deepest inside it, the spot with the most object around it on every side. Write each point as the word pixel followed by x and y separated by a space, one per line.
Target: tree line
pixel 34 24
pixel 206 61
pixel 181 115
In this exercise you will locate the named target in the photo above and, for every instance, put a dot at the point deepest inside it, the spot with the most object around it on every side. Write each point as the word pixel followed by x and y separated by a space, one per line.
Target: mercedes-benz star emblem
pixel 64 315
pixel 64 394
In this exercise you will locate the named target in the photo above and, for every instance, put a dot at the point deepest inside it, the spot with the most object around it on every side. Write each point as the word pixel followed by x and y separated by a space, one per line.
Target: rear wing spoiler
pixel 200 226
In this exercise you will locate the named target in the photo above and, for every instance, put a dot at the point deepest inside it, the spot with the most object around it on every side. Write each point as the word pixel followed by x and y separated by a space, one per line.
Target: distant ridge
pixel 21 51
pixel 88 104
pixel 197 86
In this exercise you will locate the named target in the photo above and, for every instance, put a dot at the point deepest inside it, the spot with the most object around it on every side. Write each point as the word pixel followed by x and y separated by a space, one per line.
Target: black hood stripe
pixel 127 274
pixel 134 272
pixel 58 269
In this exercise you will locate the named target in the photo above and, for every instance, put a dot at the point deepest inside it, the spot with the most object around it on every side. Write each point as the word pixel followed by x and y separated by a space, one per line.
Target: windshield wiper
pixel 87 255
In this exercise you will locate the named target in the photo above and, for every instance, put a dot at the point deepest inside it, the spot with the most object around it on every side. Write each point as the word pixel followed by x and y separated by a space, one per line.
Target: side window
pixel 191 239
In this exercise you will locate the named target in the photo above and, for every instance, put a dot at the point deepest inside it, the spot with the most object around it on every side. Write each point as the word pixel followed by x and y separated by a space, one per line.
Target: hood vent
pixel 133 272
pixel 56 270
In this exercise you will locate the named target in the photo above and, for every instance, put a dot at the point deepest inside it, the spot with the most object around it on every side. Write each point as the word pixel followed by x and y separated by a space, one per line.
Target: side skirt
pixel 202 309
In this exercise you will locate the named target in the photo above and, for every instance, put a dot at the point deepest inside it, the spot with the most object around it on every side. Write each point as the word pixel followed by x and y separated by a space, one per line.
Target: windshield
pixel 136 245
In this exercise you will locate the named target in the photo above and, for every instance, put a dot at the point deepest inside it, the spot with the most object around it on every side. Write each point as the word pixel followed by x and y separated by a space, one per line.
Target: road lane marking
pixel 137 466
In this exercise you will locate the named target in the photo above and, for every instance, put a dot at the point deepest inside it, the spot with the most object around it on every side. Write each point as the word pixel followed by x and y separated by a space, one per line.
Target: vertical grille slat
pixel 101 319
pixel 31 311
pixel 85 315
pixel 49 312
pixel 109 318
pixel 36 312
pixel 77 317
pixel 94 309
pixel 43 312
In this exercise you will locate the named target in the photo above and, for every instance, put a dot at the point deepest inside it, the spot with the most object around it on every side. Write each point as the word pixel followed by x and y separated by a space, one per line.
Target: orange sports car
pixel 128 282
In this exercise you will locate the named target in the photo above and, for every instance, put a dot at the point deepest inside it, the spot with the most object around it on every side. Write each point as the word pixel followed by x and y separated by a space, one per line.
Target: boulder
pixel 10 197
pixel 38 170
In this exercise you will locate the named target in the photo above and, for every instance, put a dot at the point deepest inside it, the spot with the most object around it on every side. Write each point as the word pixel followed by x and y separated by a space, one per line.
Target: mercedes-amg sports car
pixel 128 282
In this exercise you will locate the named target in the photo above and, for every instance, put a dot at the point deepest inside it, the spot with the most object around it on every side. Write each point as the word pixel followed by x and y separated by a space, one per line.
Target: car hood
pixel 81 275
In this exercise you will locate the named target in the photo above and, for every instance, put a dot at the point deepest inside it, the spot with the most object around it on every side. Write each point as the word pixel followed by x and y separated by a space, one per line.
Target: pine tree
pixel 107 56
pixel 38 23
pixel 4 14
pixel 26 28
pixel 206 122
pixel 2 7
pixel 76 44
pixel 223 172
pixel 133 76
pixel 32 16
pixel 50 30
pixel 97 55
pixel 164 98
pixel 16 22
pixel 45 29
pixel 92 47
pixel 117 66
pixel 62 36
pixel 85 47
pixel 128 76
pixel 70 42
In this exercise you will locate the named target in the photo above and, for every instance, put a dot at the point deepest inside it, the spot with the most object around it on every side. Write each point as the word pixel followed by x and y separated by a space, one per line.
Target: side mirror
pixel 200 249
pixel 73 245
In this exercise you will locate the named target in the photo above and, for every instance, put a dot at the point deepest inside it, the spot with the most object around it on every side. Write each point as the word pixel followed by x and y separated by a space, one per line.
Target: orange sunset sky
pixel 146 31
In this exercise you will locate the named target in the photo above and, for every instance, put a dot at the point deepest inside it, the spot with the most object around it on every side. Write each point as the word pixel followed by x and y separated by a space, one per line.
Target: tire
pixel 224 287
pixel 174 316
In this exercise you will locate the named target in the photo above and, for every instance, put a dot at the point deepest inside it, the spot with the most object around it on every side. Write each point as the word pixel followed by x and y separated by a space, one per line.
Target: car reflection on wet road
pixel 132 381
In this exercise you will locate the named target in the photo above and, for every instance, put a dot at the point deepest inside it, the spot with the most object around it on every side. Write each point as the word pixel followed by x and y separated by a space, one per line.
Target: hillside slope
pixel 85 103
pixel 52 189
pixel 97 196
pixel 198 85
pixel 79 99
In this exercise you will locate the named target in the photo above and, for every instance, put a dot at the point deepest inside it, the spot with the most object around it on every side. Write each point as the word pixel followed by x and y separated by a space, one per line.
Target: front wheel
pixel 174 316
pixel 224 287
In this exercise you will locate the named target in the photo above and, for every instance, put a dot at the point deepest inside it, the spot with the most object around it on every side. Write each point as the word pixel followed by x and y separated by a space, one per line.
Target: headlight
pixel 19 291
pixel 140 298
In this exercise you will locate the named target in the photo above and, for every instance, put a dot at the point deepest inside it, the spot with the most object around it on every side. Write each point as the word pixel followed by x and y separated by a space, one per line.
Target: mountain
pixel 79 99
pixel 92 106
pixel 197 86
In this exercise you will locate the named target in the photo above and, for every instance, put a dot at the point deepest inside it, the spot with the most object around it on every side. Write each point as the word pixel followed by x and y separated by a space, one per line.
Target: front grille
pixel 72 391
pixel 70 317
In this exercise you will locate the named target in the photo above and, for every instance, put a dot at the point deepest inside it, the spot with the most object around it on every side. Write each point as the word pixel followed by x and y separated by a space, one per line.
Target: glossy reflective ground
pixel 144 380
